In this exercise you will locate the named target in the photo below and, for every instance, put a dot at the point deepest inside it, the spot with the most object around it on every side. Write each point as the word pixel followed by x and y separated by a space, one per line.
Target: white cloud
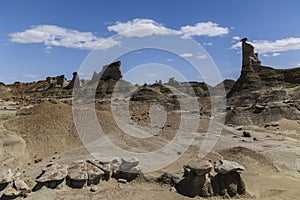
pixel 51 35
pixel 201 56
pixel 275 54
pixel 237 38
pixel 48 49
pixel 141 28
pixel 208 43
pixel 169 59
pixel 209 29
pixel 268 46
pixel 186 55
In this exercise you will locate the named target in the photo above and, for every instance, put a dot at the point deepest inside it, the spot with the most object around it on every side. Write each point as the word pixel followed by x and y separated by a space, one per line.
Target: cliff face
pixel 258 77
pixel 263 94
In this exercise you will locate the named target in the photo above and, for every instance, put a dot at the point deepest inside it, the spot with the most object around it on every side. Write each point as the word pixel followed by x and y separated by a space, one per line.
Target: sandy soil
pixel 29 142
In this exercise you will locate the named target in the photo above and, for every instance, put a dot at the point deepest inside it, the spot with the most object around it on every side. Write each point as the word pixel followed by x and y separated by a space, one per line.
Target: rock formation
pixel 228 182
pixel 250 58
pixel 254 76
pixel 75 82
pixel 263 94
pixel 111 71
pixel 198 181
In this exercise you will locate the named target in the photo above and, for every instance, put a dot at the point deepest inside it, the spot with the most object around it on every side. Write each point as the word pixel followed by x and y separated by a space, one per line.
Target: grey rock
pixel 20 185
pixel 53 172
pixel 77 174
pixel 199 167
pixel 226 166
pixel 6 176
pixel 128 164
pixel 95 174
pixel 120 180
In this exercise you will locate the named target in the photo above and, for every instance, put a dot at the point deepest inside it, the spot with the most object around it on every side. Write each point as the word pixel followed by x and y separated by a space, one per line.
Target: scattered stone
pixel 20 185
pixel 274 124
pixel 104 167
pixel 6 176
pixel 120 180
pixel 94 189
pixel 226 166
pixel 246 134
pixel 239 128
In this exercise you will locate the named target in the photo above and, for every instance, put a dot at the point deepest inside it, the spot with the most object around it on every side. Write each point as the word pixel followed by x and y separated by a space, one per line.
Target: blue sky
pixel 50 38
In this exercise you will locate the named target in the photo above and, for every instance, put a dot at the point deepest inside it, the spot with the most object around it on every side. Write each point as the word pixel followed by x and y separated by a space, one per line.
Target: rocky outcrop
pixel 111 71
pixel 75 82
pixel 263 94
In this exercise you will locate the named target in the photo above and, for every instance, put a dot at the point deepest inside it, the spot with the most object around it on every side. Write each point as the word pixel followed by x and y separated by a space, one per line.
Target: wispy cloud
pixel 201 56
pixel 30 76
pixel 273 48
pixel 186 55
pixel 51 35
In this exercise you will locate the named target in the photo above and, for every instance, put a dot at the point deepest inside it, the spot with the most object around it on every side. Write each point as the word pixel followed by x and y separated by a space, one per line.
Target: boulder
pixel 193 185
pixel 53 175
pixel 6 176
pixel 129 169
pixel 95 174
pixel 77 174
pixel 20 185
pixel 16 189
pixel 199 167
pixel 228 185
pixel 104 166
pixel 226 166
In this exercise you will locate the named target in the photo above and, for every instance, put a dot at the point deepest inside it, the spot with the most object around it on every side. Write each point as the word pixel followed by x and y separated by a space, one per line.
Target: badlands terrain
pixel 261 132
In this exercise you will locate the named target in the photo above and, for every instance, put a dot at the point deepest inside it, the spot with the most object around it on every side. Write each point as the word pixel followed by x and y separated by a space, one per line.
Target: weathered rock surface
pixel 16 189
pixel 52 175
pixel 75 82
pixel 129 169
pixel 228 185
pixel 111 71
pixel 95 174
pixel 6 176
pixel 226 166
pixel 199 167
pixel 77 174
pixel 193 185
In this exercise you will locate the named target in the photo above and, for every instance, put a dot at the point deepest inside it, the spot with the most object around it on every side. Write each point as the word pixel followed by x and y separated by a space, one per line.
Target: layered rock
pixel 263 94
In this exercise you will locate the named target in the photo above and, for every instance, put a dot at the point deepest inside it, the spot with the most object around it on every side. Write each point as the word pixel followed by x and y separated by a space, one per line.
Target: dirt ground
pixel 46 133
